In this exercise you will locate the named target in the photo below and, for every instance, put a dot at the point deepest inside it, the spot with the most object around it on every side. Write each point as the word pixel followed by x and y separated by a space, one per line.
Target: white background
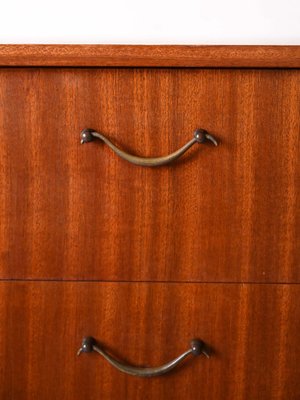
pixel 150 22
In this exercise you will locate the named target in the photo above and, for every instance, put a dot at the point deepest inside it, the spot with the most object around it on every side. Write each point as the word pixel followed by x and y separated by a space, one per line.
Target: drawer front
pixel 252 330
pixel 226 213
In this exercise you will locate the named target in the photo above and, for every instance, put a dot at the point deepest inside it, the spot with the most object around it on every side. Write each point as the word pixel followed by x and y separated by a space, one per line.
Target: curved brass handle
pixel 200 136
pixel 197 347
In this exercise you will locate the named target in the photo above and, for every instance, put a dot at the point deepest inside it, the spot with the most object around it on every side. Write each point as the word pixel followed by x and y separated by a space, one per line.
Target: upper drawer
pixel 226 213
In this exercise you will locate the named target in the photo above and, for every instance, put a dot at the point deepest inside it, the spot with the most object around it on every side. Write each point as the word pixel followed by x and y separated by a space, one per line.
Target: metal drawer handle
pixel 197 347
pixel 200 136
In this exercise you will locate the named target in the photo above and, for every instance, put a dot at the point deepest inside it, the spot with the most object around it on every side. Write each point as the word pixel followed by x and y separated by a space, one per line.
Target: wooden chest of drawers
pixel 146 259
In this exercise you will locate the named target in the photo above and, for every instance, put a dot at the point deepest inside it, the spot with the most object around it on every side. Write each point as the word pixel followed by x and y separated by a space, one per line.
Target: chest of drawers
pixel 146 259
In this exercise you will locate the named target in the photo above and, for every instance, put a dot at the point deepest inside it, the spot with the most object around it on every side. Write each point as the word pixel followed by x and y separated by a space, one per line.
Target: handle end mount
pixel 201 136
pixel 86 136
pixel 87 345
pixel 198 347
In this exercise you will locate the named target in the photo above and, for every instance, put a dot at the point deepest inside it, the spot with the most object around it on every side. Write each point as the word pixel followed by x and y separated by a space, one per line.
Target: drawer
pixel 252 331
pixel 218 214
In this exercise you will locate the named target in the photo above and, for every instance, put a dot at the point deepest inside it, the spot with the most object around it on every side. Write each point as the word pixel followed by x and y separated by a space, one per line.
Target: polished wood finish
pixel 225 214
pixel 149 56
pixel 253 331
pixel 218 228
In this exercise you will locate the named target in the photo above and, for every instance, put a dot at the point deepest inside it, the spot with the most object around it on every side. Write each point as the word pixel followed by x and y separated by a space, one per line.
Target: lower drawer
pixel 253 331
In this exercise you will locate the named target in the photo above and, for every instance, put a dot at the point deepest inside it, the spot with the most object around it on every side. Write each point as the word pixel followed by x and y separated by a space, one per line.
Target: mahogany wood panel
pixel 145 56
pixel 72 211
pixel 253 330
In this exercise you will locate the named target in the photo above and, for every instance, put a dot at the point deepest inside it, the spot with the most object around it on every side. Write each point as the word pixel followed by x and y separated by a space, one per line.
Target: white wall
pixel 152 21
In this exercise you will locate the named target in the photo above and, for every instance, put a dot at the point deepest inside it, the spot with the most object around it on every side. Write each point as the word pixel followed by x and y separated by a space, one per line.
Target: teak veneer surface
pixel 223 214
pixel 253 331
pixel 214 236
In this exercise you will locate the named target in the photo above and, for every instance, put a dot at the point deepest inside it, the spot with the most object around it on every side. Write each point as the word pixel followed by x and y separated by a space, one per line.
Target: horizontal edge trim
pixel 150 56
pixel 133 281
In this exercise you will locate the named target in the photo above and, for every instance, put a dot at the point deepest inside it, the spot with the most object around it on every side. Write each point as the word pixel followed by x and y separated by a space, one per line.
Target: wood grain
pixel 253 330
pixel 150 56
pixel 225 214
